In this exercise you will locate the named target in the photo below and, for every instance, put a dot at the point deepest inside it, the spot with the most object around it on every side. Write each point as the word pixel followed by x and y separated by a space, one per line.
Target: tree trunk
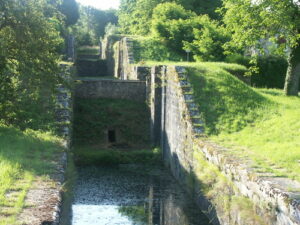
pixel 291 86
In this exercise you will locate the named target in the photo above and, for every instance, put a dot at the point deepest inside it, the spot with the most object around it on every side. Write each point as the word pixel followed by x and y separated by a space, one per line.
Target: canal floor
pixel 132 195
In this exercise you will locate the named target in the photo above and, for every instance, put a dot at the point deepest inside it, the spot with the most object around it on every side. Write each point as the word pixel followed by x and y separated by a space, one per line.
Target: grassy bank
pixel 273 140
pixel 253 123
pixel 258 124
pixel 24 158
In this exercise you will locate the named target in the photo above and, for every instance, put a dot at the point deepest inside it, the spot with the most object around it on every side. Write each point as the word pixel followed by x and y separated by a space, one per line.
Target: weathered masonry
pixel 227 190
pixel 115 89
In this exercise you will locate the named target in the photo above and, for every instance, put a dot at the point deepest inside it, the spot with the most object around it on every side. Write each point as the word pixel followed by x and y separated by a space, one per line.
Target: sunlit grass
pixel 24 157
pixel 258 124
pixel 273 143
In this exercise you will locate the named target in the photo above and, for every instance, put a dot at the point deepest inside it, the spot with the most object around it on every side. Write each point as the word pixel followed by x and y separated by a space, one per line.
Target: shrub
pixel 152 49
pixel 238 59
pixel 173 24
pixel 209 39
pixel 272 72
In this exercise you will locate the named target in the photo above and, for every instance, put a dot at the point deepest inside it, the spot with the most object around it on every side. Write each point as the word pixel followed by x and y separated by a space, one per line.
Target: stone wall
pixel 115 89
pixel 124 61
pixel 226 189
pixel 107 52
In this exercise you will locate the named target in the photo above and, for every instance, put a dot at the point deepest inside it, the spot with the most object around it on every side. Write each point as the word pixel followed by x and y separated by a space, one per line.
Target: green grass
pixel 24 157
pixel 87 155
pixel 258 124
pixel 273 143
pixel 226 104
pixel 88 50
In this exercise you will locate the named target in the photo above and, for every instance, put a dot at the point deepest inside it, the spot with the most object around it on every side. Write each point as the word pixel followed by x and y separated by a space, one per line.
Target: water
pixel 131 195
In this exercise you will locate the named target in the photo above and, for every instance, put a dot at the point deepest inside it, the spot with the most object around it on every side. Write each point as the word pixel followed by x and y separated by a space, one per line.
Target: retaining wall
pixel 115 89
pixel 225 188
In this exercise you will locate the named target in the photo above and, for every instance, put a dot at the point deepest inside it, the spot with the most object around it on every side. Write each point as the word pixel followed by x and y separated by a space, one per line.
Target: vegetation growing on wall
pixel 212 182
pixel 94 117
pixel 87 156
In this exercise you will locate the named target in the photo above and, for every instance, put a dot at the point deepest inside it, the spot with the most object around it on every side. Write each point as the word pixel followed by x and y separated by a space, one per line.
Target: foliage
pixel 152 49
pixel 173 24
pixel 202 7
pixel 31 159
pixel 271 72
pixel 238 59
pixel 29 40
pixel 135 16
pixel 208 41
pixel 91 25
pixel 70 9
pixel 111 29
pixel 253 22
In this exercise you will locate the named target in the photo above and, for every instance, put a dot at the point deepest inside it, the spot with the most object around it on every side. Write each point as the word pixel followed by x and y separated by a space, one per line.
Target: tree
pixel 208 41
pixel 70 9
pixel 173 24
pixel 202 7
pixel 135 16
pixel 29 42
pixel 91 24
pixel 275 20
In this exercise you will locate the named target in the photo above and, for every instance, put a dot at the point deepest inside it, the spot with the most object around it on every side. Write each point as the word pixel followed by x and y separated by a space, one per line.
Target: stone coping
pixel 280 194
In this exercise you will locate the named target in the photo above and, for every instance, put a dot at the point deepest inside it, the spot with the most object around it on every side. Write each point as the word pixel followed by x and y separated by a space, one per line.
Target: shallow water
pixel 131 195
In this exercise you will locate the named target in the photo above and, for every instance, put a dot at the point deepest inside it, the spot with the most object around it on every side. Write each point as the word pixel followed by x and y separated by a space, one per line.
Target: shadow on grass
pixel 225 103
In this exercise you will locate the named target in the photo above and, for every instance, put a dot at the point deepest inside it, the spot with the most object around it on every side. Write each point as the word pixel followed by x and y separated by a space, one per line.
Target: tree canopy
pixel 91 25
pixel 70 9
pixel 135 15
pixel 29 45
pixel 274 20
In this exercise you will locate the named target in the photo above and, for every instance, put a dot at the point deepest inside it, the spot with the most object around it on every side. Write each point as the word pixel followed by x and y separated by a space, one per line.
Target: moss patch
pixel 93 118
pixel 86 156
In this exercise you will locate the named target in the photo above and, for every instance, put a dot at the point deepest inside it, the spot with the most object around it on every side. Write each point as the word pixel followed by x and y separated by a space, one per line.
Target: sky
pixel 101 4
